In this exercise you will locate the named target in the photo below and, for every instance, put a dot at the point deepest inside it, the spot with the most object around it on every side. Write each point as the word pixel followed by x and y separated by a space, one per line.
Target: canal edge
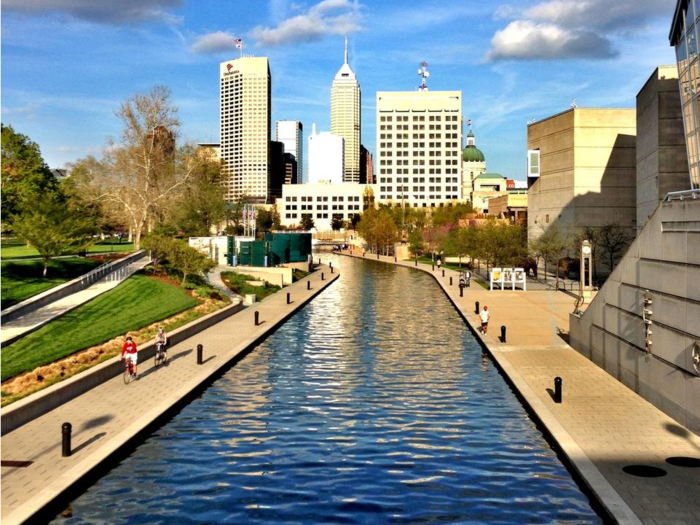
pixel 50 500
pixel 607 497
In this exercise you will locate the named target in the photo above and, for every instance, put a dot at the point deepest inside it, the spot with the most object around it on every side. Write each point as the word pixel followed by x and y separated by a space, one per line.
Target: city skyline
pixel 127 49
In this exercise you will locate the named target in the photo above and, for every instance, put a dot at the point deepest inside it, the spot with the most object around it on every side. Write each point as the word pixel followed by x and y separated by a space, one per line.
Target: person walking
pixel 469 278
pixel 130 352
pixel 439 262
pixel 485 315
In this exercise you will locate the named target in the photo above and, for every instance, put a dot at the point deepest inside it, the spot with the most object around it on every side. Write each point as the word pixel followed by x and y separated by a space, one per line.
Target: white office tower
pixel 419 141
pixel 326 157
pixel 291 134
pixel 245 127
pixel 346 100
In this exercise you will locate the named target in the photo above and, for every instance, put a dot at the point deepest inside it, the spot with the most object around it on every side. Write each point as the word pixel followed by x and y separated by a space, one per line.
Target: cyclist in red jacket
pixel 129 349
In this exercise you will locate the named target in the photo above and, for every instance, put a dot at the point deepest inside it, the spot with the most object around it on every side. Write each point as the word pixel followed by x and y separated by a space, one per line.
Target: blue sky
pixel 68 64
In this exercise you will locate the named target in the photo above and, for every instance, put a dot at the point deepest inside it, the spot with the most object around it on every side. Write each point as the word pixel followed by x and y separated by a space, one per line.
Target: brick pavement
pixel 106 417
pixel 601 426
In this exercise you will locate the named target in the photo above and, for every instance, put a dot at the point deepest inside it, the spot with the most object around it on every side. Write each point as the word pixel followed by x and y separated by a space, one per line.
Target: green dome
pixel 472 154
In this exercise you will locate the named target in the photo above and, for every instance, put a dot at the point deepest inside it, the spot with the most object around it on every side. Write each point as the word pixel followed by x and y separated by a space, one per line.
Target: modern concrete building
pixel 662 159
pixel 582 170
pixel 291 134
pixel 512 205
pixel 485 187
pixel 346 117
pixel 326 157
pixel 245 86
pixel 473 165
pixel 419 142
pixel 684 36
pixel 321 201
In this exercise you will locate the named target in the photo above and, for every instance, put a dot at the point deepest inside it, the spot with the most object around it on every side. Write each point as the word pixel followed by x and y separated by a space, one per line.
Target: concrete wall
pixel 665 261
pixel 662 160
pixel 587 174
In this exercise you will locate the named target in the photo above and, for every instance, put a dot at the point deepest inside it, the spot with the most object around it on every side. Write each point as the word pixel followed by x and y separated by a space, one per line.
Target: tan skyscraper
pixel 245 127
pixel 346 100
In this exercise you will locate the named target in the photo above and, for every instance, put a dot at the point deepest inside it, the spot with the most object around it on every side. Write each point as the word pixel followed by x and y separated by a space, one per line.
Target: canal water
pixel 373 404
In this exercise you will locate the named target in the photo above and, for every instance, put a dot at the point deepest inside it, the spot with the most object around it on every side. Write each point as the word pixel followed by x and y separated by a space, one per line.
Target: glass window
pixel 533 163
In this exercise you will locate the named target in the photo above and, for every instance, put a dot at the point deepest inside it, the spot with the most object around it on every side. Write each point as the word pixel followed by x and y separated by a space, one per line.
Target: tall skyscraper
pixel 419 137
pixel 346 101
pixel 291 134
pixel 244 87
pixel 326 154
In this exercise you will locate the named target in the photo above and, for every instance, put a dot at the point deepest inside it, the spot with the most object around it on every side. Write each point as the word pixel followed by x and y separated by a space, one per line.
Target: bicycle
pixel 129 373
pixel 161 356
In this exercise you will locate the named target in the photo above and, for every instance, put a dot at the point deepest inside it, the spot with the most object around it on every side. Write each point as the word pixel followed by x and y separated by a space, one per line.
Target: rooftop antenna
pixel 346 50
pixel 423 72
pixel 574 104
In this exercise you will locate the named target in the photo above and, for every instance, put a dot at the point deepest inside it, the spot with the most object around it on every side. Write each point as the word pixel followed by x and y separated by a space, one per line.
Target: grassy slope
pixel 13 249
pixel 137 302
pixel 237 283
pixel 22 279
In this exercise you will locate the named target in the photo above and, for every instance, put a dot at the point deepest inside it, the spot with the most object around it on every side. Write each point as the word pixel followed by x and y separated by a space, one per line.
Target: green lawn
pixel 237 283
pixel 23 279
pixel 136 303
pixel 14 249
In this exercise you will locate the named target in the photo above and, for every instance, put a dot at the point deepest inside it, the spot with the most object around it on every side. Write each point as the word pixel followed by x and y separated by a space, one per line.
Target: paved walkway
pixel 106 417
pixel 602 426
pixel 12 330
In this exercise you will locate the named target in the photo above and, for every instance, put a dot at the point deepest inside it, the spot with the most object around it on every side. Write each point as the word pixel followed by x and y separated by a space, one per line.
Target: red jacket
pixel 128 348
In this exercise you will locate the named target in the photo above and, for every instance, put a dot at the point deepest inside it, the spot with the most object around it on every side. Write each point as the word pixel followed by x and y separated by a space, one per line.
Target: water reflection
pixel 374 404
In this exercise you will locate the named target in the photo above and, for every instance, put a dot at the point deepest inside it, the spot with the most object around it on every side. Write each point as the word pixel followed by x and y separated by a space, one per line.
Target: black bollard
pixel 363 254
pixel 330 265
pixel 289 298
pixel 66 430
pixel 257 318
pixel 200 354
pixel 323 277
pixel 476 308
pixel 377 256
pixel 503 334
pixel 416 262
pixel 461 291
pixel 308 285
pixel 433 269
pixel 443 273
pixel 450 280
pixel 557 390
pixel 395 259
pixel 319 261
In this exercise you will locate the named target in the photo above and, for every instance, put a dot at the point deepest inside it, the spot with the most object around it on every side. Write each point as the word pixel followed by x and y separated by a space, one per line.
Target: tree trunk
pixel 184 278
pixel 130 237
pixel 46 267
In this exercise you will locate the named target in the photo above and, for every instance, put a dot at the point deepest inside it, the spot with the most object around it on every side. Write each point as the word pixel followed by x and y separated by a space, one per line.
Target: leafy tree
pixel 549 246
pixel 463 242
pixel 142 175
pixel 415 243
pixel 386 231
pixel 160 245
pixel 188 260
pixel 264 220
pixel 613 241
pixel 52 227
pixel 307 223
pixel 201 206
pixel 337 223
pixel 354 220
pixel 25 175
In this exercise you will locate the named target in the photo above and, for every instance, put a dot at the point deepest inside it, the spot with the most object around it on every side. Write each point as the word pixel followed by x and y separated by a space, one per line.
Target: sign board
pixel 503 277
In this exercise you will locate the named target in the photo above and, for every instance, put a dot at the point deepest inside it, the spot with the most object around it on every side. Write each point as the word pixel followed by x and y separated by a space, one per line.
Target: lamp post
pixel 586 267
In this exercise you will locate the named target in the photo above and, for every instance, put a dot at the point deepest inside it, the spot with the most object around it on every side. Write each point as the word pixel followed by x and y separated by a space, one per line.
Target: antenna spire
pixel 423 72
pixel 346 50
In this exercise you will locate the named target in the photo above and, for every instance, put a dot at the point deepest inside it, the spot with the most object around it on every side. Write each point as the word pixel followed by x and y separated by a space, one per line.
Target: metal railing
pixel 683 195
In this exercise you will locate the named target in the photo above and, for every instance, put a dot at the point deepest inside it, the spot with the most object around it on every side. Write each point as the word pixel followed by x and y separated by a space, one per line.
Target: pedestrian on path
pixel 130 351
pixel 485 315
pixel 469 278
pixel 439 262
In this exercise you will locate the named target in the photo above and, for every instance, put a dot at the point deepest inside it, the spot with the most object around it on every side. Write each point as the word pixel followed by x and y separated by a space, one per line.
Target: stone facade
pixel 664 263
pixel 587 170
pixel 662 159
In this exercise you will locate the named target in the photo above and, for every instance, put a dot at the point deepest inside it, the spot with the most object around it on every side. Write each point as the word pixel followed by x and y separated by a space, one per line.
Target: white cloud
pixel 102 11
pixel 217 42
pixel 556 29
pixel 329 17
pixel 530 41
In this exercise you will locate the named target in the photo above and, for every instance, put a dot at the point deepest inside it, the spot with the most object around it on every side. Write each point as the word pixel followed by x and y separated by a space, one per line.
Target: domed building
pixel 473 165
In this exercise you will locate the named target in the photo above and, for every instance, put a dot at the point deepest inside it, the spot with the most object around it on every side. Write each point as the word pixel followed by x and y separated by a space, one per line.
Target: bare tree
pixel 613 241
pixel 140 176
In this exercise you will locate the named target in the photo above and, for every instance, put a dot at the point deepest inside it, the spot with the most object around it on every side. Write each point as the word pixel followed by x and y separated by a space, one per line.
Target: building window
pixel 533 163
